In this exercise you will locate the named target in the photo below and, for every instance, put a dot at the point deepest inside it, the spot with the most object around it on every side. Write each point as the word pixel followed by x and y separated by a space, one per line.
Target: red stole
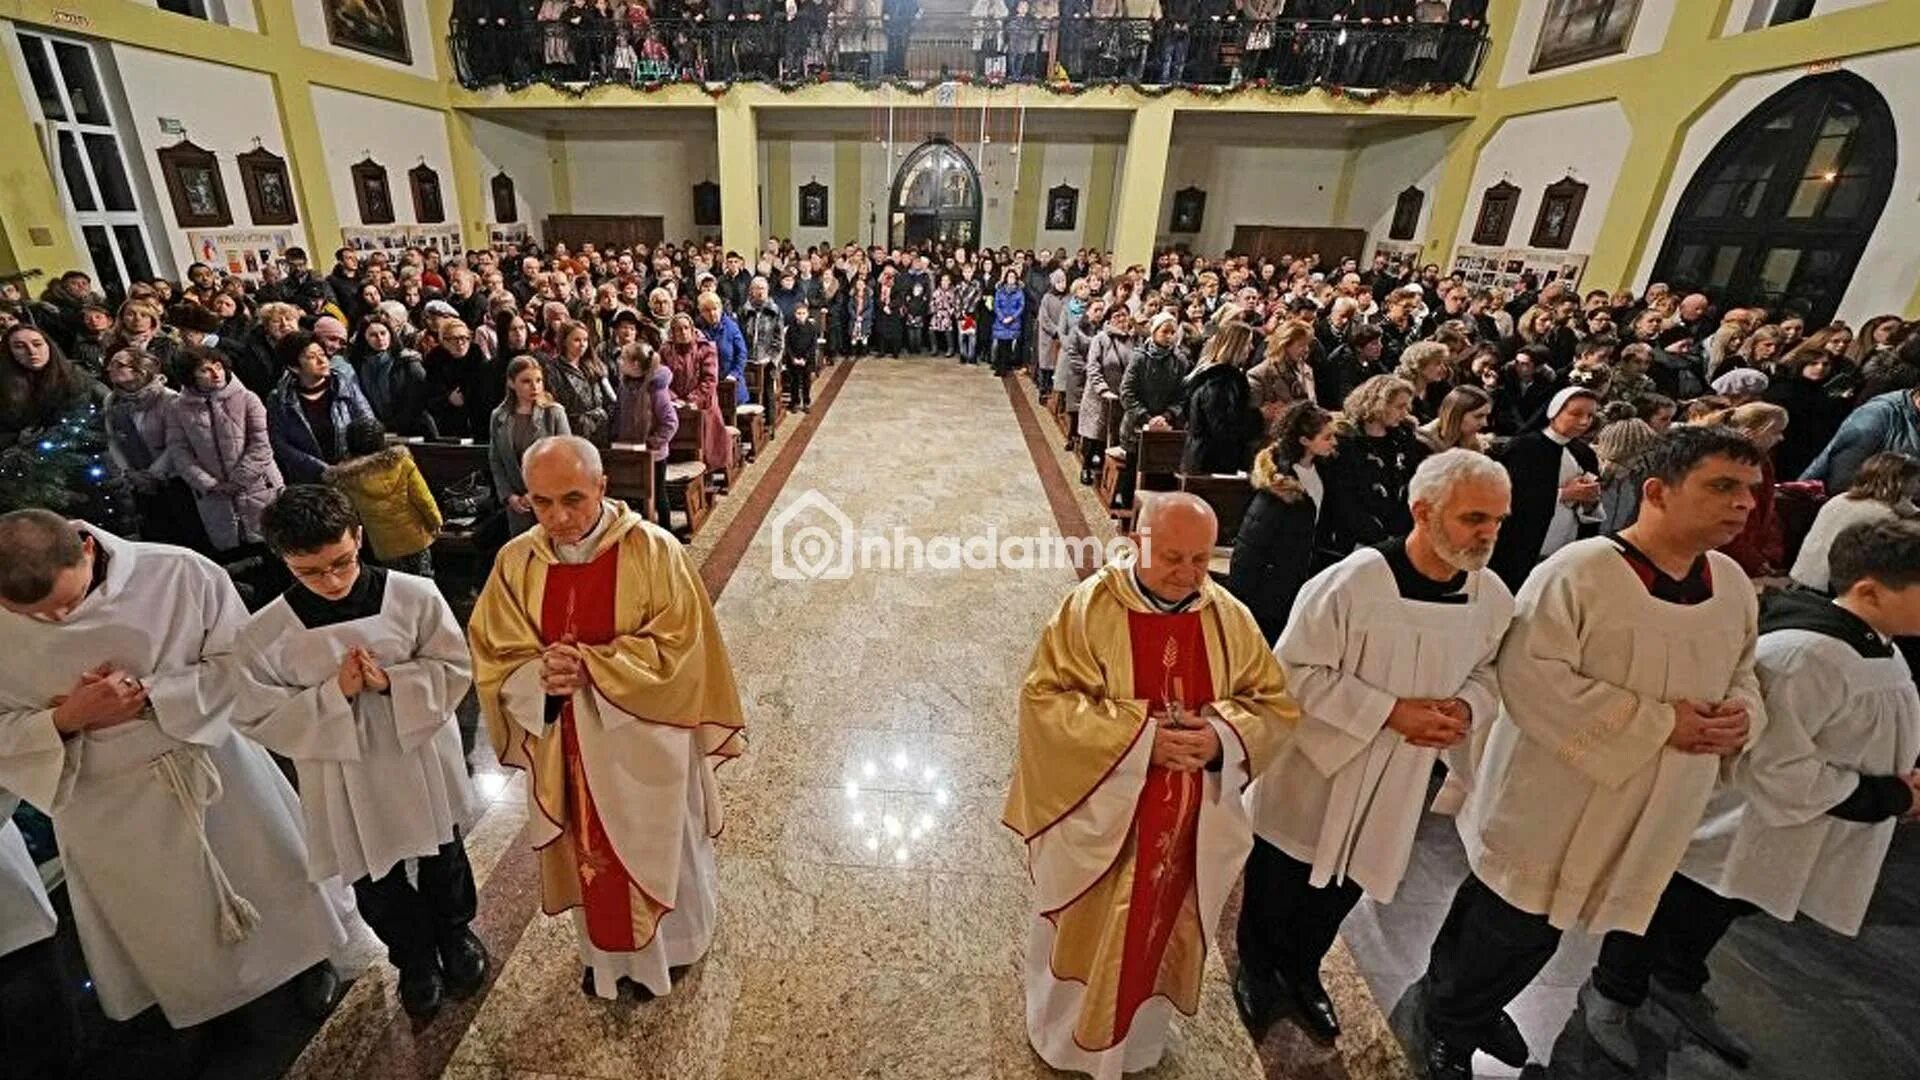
pixel 579 601
pixel 1169 664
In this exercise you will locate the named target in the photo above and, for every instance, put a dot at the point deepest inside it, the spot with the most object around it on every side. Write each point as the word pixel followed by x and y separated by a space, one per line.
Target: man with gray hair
pixel 765 330
pixel 1390 653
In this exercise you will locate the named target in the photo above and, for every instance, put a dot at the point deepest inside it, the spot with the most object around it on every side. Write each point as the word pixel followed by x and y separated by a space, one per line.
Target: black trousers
pixel 1287 925
pixel 39 1030
pixel 1688 922
pixel 1487 951
pixel 799 387
pixel 415 921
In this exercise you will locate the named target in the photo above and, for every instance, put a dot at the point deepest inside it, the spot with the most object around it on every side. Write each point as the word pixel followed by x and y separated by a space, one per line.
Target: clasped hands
pixel 104 697
pixel 359 671
pixel 1183 743
pixel 1437 724
pixel 1709 727
pixel 563 668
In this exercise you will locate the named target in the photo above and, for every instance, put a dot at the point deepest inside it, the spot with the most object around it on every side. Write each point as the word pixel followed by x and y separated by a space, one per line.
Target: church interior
pixel 1483 213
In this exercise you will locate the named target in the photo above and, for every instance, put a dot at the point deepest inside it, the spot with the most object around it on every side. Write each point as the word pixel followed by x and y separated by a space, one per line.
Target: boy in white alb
pixel 354 673
pixel 1804 828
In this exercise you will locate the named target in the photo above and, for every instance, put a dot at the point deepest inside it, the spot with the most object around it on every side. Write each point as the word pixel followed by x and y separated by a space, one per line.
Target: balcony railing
pixel 1209 53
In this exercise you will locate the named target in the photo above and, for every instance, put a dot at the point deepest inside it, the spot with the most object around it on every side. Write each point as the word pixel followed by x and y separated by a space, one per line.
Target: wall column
pixel 782 199
pixel 846 191
pixel 34 232
pixel 307 161
pixel 469 187
pixel 1142 181
pixel 1030 174
pixel 738 136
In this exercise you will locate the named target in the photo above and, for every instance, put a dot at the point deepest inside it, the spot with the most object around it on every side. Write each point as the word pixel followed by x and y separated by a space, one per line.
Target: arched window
pixel 936 196
pixel 1778 214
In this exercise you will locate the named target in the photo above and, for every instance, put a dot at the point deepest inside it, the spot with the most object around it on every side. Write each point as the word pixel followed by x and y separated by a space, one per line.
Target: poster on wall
pixel 394 239
pixel 502 236
pixel 240 252
pixel 1405 254
pixel 1501 267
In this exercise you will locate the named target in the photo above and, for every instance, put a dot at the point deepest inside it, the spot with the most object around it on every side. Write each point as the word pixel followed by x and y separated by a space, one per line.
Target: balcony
pixel 1207 55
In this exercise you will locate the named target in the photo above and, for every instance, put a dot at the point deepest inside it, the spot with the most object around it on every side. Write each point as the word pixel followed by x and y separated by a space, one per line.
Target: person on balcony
pixel 899 17
pixel 1174 23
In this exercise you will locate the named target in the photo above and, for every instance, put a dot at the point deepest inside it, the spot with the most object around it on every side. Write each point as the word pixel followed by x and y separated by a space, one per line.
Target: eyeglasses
pixel 336 569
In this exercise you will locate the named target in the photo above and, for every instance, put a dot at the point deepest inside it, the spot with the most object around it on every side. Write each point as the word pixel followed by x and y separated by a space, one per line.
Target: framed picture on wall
pixel 813 205
pixel 706 203
pixel 1496 214
pixel 506 208
pixel 375 27
pixel 428 207
pixel 193 184
pixel 263 175
pixel 371 192
pixel 1577 30
pixel 1559 212
pixel 1063 207
pixel 1189 209
pixel 1406 214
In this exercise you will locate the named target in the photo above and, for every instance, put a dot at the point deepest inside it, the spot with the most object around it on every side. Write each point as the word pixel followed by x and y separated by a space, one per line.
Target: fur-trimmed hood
pixel 358 468
pixel 1270 477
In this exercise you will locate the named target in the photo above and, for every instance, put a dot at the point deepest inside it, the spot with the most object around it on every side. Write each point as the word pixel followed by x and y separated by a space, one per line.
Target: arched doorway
pixel 1778 214
pixel 936 196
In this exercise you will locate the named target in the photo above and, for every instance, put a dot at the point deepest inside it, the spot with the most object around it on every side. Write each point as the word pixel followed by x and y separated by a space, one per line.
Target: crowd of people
pixel 1352 43
pixel 1480 476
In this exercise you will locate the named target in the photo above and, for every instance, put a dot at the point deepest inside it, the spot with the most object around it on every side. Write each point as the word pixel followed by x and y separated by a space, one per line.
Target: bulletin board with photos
pixel 503 235
pixel 239 252
pixel 394 239
pixel 1502 267
pixel 1402 252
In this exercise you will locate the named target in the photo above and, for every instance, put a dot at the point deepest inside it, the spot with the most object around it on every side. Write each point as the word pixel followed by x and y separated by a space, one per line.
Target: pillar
pixel 739 140
pixel 470 188
pixel 307 166
pixel 34 233
pixel 1143 180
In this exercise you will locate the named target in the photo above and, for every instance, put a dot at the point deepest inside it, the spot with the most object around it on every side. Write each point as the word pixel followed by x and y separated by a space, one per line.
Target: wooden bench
pixel 1155 461
pixel 442 465
pixel 629 469
pixel 748 422
pixel 686 490
pixel 1229 495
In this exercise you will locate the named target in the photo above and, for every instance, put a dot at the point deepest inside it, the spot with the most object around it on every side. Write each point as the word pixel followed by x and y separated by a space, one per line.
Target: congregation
pixel 1461 504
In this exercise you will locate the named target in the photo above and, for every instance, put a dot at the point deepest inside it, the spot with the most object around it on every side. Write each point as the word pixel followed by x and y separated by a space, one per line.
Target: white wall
pixel 396 135
pixel 1889 268
pixel 523 155
pixel 224 109
pixel 1743 15
pixel 235 13
pixel 1383 170
pixel 1539 149
pixel 1649 33
pixel 625 175
pixel 311 20
pixel 1249 185
pixel 1070 164
pixel 813 160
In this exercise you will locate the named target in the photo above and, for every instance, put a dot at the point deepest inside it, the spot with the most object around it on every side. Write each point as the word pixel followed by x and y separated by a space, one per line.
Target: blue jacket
pixel 1009 304
pixel 731 344
pixel 1888 421
pixel 299 454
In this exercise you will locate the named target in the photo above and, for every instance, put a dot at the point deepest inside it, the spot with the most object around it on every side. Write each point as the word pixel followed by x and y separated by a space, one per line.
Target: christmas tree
pixel 64 467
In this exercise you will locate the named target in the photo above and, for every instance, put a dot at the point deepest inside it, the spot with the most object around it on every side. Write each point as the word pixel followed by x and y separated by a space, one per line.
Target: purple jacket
pixel 646 413
pixel 219 440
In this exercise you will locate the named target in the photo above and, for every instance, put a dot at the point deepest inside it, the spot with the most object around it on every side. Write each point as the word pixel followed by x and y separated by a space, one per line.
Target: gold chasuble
pixel 659 685
pixel 1131 862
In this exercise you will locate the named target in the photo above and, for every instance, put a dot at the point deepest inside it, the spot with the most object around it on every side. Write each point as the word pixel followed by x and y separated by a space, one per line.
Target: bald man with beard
pixel 1151 703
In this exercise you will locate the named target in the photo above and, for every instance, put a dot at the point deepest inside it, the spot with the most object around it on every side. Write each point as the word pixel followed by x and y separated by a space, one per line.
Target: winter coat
pixel 1887 422
pixel 587 398
pixel 1812 418
pixel 251 360
pixel 764 329
pixel 221 438
pixel 730 352
pixel 1366 482
pixel 1009 306
pixel 1070 373
pixel 137 429
pixel 1105 369
pixel 696 381
pixel 1223 425
pixel 1051 305
pixel 502 459
pixel 1274 555
pixel 392 499
pixel 646 413
pixel 944 310
pixel 394 383
pixel 302 459
pixel 1155 385
pixel 859 316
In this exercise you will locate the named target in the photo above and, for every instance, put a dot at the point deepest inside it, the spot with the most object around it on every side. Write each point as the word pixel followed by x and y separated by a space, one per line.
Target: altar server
pixel 1390 653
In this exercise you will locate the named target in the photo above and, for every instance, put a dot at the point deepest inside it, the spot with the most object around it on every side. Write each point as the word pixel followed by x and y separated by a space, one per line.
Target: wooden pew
pixel 1154 464
pixel 629 469
pixel 1229 495
pixel 442 465
pixel 749 420
pixel 686 474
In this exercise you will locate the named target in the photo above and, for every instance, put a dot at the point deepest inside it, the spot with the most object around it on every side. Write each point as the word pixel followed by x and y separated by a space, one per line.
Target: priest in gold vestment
pixel 601 672
pixel 1151 703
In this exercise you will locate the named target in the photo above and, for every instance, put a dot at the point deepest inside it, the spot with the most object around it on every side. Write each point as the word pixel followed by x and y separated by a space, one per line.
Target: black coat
pixel 1274 554
pixel 1533 465
pixel 1222 424
pixel 1518 409
pixel 1812 418
pixel 1366 484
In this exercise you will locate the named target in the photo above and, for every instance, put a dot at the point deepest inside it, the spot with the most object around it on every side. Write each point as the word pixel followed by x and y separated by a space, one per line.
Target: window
pixel 1779 212
pixel 95 180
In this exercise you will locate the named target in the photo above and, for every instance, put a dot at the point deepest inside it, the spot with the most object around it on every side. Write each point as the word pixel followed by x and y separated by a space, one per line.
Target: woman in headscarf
pixel 696 381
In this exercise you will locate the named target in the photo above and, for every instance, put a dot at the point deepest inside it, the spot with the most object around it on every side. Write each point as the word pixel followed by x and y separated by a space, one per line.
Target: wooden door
pixel 1273 241
pixel 605 230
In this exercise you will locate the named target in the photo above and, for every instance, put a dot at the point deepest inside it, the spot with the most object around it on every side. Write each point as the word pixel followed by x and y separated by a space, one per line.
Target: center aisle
pixel 873 908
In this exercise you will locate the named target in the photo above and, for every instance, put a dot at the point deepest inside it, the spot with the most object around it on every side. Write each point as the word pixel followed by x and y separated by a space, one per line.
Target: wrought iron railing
pixel 1211 53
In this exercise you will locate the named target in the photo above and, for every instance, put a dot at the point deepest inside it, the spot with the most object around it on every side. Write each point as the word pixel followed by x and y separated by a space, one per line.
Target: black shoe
pixel 1258 999
pixel 1447 1061
pixel 1316 1008
pixel 317 990
pixel 422 992
pixel 464 965
pixel 1086 477
pixel 1504 1043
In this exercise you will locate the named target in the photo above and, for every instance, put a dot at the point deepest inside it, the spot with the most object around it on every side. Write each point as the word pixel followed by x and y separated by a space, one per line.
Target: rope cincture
pixel 190 775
